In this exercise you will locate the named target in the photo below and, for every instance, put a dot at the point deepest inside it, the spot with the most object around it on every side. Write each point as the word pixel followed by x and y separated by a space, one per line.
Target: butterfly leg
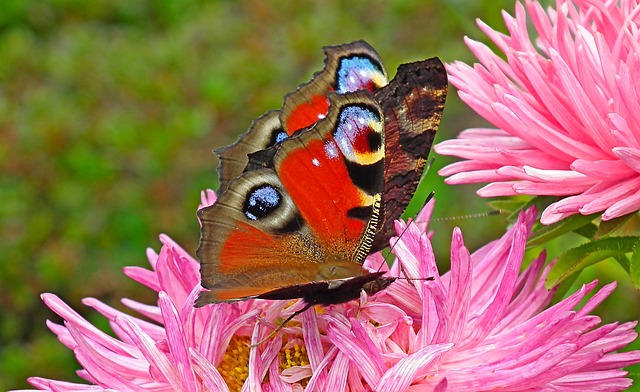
pixel 282 325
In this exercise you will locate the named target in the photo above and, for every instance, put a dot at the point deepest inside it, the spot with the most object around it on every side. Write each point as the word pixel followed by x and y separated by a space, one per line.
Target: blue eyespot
pixel 356 73
pixel 280 136
pixel 261 201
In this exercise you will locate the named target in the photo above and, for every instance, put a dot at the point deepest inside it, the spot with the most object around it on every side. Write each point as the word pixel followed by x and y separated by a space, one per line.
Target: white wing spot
pixel 330 150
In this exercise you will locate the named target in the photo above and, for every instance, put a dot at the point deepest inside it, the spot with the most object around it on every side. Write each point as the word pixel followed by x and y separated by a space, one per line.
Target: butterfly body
pixel 306 193
pixel 335 291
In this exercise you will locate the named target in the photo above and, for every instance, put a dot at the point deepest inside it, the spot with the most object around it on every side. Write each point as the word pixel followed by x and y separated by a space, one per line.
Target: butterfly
pixel 312 189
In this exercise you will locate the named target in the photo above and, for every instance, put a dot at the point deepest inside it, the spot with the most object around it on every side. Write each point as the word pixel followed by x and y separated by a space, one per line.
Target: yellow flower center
pixel 294 355
pixel 234 367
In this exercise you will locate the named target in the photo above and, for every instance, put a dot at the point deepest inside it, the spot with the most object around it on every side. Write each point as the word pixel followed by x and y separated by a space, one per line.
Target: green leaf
pixel 608 227
pixel 582 256
pixel 624 262
pixel 509 205
pixel 565 289
pixel 567 225
pixel 513 205
pixel 587 231
pixel 541 202
pixel 634 266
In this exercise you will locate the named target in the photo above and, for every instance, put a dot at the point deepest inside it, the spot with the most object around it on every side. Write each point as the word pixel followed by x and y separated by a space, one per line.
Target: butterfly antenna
pixel 463 217
pixel 386 258
pixel 282 325
pixel 467 216
pixel 427 168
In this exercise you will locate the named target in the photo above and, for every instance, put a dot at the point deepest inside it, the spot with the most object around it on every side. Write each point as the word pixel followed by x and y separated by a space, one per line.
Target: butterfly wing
pixel 412 104
pixel 348 68
pixel 309 217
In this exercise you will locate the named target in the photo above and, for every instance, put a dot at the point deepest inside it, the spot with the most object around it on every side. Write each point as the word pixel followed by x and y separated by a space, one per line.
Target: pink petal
pixel 176 339
pixel 401 375
pixel 158 361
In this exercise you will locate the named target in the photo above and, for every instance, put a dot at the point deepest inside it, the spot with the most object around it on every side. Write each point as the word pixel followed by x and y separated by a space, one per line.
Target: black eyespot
pixel 369 178
pixel 261 201
pixel 363 213
pixel 375 141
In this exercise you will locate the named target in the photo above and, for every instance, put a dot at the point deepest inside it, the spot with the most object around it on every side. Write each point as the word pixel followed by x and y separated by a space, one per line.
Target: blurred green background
pixel 109 110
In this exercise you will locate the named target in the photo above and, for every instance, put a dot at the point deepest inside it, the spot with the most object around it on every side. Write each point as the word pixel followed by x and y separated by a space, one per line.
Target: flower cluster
pixel 567 109
pixel 481 326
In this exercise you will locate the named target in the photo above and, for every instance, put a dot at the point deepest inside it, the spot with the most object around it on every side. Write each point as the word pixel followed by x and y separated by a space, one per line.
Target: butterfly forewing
pixel 348 68
pixel 264 132
pixel 336 178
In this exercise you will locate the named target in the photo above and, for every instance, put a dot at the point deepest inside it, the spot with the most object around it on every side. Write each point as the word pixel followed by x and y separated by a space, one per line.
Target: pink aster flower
pixel 481 326
pixel 567 109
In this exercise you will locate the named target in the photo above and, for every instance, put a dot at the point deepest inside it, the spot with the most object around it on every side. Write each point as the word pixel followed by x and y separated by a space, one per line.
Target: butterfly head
pixel 378 284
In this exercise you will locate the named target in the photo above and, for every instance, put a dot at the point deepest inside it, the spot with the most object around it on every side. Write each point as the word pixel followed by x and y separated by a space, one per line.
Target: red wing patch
pixel 307 113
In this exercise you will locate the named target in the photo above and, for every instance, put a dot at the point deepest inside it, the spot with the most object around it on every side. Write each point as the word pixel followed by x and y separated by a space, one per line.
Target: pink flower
pixel 481 326
pixel 567 109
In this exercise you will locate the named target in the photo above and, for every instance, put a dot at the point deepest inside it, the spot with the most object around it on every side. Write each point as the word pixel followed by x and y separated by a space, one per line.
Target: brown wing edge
pixel 235 157
pixel 412 103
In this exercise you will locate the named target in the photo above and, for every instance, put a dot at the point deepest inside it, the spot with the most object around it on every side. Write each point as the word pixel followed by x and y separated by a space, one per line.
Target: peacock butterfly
pixel 309 191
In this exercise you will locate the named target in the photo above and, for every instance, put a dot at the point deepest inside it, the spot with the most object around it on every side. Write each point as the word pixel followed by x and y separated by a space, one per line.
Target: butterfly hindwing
pixel 307 216
pixel 263 133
